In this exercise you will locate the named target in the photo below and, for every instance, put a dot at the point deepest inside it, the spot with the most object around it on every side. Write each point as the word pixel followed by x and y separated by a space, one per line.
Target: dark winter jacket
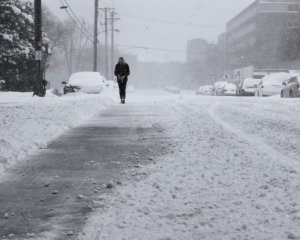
pixel 122 70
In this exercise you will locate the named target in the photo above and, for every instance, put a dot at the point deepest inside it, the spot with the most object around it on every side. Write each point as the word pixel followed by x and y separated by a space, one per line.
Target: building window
pixel 292 22
pixel 293 7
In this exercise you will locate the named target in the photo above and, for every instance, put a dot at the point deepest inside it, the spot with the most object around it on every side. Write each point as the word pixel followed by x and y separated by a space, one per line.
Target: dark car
pixel 291 88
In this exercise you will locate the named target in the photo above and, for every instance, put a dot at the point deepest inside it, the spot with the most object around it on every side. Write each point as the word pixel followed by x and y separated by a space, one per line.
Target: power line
pixel 158 49
pixel 151 48
pixel 77 19
pixel 112 3
pixel 172 23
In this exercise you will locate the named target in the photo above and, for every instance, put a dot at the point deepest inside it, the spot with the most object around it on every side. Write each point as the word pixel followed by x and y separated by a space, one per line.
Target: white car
pixel 229 89
pixel 175 90
pixel 110 84
pixel 272 84
pixel 204 90
pixel 218 88
pixel 247 87
pixel 2 84
pixel 86 82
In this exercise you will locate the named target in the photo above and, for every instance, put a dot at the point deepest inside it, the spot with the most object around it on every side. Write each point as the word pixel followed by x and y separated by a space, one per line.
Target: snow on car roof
pixel 86 79
pixel 220 84
pixel 230 86
pixel 251 82
pixel 276 78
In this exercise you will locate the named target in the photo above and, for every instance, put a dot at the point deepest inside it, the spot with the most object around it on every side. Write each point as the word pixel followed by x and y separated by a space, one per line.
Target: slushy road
pixel 182 167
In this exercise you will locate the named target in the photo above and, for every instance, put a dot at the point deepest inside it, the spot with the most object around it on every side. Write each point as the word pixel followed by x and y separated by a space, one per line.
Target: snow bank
pixel 27 123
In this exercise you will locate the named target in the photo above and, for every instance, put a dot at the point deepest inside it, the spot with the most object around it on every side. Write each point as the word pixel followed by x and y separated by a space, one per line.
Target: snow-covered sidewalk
pixel 226 178
pixel 27 123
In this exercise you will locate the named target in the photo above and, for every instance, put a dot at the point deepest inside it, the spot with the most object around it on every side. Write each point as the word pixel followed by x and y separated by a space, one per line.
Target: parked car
pixel 229 89
pixel 247 87
pixel 175 90
pixel 110 84
pixel 291 88
pixel 86 82
pixel 218 88
pixel 2 84
pixel 204 90
pixel 272 84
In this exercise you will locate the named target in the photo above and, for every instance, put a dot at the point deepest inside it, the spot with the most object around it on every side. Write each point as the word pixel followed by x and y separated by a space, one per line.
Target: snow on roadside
pixel 215 185
pixel 27 123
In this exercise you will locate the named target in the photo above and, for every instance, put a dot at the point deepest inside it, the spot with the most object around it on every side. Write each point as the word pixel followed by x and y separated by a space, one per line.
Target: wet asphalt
pixel 53 191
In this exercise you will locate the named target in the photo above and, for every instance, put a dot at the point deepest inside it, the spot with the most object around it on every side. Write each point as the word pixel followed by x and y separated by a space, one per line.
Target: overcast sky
pixel 174 22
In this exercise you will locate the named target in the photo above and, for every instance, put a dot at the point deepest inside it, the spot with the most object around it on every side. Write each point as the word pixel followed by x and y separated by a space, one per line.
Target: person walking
pixel 122 71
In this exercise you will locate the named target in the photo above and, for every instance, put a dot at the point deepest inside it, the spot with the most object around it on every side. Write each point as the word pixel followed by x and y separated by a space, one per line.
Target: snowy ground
pixel 233 173
pixel 27 123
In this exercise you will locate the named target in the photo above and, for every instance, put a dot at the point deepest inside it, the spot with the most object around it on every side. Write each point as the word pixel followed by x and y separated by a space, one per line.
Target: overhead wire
pixel 151 48
pixel 172 23
pixel 78 20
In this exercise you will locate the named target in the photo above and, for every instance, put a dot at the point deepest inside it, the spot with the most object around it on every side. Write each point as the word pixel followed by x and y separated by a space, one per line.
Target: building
pixel 222 43
pixel 197 51
pixel 202 62
pixel 264 36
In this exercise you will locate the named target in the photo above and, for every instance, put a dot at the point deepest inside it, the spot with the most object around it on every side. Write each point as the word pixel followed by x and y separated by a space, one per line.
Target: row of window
pixel 241 19
pixel 263 6
pixel 278 7
pixel 247 30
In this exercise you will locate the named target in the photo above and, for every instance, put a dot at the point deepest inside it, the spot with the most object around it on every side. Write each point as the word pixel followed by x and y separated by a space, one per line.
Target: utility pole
pixel 106 44
pixel 40 88
pixel 95 66
pixel 112 19
pixel 106 39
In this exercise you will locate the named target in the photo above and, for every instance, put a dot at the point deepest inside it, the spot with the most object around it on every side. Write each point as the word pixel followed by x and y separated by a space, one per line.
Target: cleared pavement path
pixel 53 192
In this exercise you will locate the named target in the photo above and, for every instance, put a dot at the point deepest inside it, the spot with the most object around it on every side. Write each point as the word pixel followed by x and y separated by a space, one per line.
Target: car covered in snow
pixel 291 88
pixel 229 89
pixel 272 84
pixel 218 88
pixel 204 90
pixel 247 87
pixel 110 84
pixel 2 84
pixel 86 82
pixel 175 90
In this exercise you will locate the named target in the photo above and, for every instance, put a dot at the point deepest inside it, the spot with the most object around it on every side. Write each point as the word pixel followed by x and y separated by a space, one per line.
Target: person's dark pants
pixel 122 88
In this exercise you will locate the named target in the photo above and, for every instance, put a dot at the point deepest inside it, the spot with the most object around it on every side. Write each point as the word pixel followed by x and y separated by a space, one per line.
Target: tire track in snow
pixel 255 141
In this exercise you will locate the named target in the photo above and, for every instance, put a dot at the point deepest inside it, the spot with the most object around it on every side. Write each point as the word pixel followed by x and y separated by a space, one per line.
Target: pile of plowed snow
pixel 28 123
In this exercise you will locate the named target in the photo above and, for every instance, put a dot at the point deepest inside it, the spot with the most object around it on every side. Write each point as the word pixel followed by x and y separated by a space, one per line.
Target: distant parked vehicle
pixel 204 90
pixel 111 84
pixel 272 84
pixel 229 89
pixel 2 84
pixel 291 88
pixel 218 88
pixel 247 87
pixel 86 82
pixel 175 90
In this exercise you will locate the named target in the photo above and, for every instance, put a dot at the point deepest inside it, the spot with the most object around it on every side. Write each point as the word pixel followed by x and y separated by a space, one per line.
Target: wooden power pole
pixel 95 66
pixel 106 39
pixel 39 88
pixel 113 19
